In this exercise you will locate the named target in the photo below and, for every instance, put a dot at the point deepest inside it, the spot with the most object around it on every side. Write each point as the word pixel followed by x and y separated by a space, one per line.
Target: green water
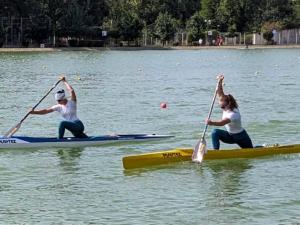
pixel 120 92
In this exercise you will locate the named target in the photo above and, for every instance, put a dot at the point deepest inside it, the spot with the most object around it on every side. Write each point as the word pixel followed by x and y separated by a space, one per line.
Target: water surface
pixel 120 92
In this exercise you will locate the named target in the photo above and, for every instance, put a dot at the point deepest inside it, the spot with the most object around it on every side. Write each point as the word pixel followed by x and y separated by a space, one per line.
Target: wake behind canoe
pixel 179 155
pixel 38 142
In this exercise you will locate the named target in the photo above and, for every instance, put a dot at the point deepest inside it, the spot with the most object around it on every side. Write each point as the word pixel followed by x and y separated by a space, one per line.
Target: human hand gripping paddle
pixel 200 148
pixel 14 129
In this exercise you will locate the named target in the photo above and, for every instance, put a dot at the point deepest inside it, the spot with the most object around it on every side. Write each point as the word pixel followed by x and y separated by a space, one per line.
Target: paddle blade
pixel 199 151
pixel 12 131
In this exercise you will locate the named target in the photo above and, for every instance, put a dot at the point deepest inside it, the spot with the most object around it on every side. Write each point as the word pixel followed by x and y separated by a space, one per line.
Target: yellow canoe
pixel 178 155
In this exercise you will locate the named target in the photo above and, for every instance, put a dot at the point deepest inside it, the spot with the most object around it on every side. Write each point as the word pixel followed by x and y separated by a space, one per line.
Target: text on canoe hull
pixel 172 155
pixel 8 141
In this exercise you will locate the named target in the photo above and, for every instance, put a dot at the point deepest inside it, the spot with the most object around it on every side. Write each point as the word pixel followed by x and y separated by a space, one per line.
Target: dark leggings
pixel 242 138
pixel 75 127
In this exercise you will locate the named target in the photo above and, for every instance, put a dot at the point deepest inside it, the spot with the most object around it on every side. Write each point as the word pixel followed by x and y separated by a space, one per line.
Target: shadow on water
pixel 170 166
pixel 227 177
pixel 17 151
pixel 69 158
pixel 226 173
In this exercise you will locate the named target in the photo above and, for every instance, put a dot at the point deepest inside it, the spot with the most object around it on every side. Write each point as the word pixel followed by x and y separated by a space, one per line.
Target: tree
pixel 229 14
pixel 130 26
pixel 181 10
pixel 165 27
pixel 296 9
pixel 98 10
pixel 54 10
pixel 13 7
pixel 148 10
pixel 196 27
pixel 251 15
pixel 209 12
pixel 75 20
pixel 124 21
pixel 39 29
pixel 279 10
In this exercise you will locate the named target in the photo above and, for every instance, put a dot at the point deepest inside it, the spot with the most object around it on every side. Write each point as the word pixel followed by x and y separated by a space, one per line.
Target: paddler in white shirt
pixel 68 110
pixel 231 119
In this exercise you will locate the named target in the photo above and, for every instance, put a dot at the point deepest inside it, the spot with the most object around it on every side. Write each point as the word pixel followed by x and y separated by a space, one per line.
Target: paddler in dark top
pixel 68 110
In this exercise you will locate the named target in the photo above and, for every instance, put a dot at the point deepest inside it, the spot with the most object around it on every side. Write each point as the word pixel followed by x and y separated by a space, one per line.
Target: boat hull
pixel 179 155
pixel 40 142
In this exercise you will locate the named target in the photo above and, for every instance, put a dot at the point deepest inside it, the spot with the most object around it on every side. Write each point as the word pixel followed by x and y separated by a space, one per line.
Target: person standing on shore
pixel 68 110
pixel 200 41
pixel 231 119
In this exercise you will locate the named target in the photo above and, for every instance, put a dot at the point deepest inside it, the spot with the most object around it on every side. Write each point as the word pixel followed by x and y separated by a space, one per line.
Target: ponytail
pixel 231 102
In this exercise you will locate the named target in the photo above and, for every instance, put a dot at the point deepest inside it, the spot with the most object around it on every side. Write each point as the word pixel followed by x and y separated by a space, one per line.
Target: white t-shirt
pixel 235 126
pixel 68 111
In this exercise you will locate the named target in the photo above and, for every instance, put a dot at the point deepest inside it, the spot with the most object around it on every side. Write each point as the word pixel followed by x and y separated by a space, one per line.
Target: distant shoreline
pixel 147 48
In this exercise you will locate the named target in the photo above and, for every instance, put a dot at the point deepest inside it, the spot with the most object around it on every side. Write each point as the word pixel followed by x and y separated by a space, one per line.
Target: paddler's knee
pixel 63 123
pixel 214 132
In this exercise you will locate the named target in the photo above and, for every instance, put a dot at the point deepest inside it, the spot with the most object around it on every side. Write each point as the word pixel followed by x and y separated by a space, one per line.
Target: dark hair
pixel 61 91
pixel 231 102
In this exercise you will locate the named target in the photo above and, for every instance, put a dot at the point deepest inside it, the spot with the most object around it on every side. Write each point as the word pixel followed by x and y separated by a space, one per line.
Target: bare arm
pixel 42 111
pixel 70 89
pixel 220 91
pixel 218 123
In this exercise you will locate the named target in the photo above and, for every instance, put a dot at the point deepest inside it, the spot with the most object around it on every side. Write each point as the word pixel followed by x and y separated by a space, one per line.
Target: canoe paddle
pixel 14 129
pixel 200 148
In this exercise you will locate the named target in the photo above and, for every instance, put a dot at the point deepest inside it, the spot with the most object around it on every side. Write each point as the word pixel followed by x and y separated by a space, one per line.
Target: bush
pixel 2 36
pixel 176 43
pixel 269 26
pixel 268 36
pixel 62 42
pixel 90 43
pixel 196 28
pixel 98 43
pixel 83 43
pixel 25 43
pixel 114 34
pixel 248 39
pixel 195 39
pixel 73 42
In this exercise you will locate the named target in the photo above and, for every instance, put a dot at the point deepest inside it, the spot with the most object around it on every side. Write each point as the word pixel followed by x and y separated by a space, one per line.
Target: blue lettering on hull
pixel 8 141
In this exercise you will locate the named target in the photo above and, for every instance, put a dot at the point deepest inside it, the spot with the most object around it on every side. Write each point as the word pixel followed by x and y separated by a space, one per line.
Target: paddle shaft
pixel 15 128
pixel 210 111
pixel 33 108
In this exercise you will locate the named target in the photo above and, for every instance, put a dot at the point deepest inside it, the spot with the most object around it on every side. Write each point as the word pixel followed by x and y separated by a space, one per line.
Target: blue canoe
pixel 38 142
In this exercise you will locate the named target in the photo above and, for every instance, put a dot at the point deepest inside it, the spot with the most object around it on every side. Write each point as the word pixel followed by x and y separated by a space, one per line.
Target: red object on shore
pixel 163 105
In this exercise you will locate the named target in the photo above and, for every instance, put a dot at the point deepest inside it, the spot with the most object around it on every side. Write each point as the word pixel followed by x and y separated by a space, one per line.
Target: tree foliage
pixel 125 19
pixel 196 27
pixel 165 27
